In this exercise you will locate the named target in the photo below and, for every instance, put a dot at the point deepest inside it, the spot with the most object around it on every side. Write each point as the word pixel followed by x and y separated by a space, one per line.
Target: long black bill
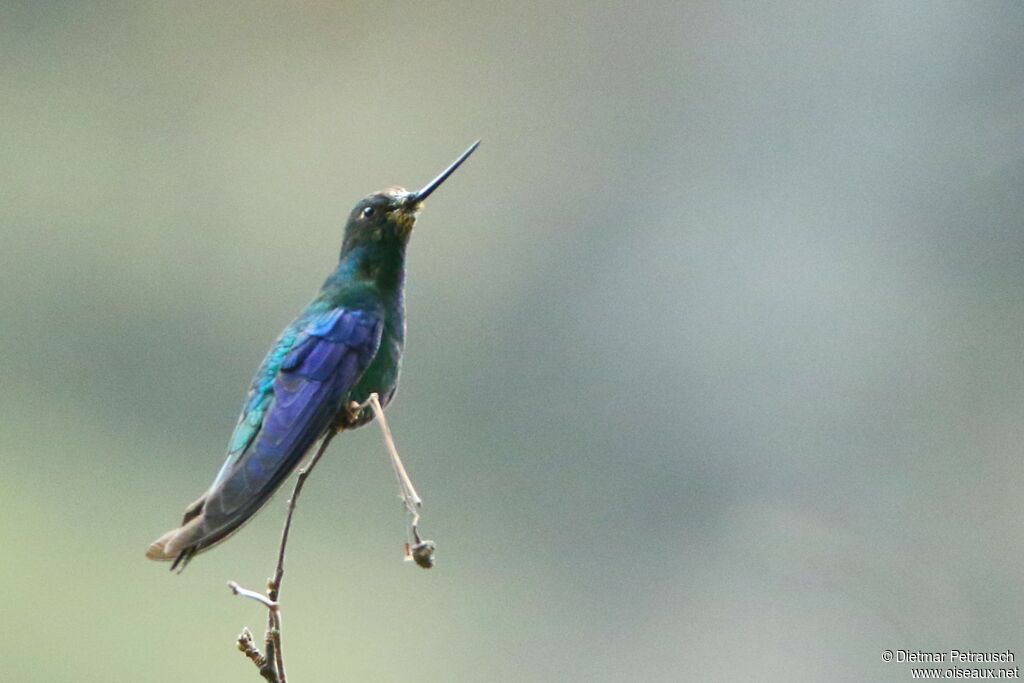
pixel 436 182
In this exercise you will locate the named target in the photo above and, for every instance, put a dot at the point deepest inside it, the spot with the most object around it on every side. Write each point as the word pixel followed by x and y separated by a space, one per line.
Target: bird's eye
pixel 368 212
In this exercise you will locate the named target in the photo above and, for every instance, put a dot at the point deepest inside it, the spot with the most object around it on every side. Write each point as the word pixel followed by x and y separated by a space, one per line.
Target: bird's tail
pixel 180 544
pixel 198 532
pixel 208 520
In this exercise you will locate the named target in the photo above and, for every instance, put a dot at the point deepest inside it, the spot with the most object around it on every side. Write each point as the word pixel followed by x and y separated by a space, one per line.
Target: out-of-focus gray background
pixel 714 366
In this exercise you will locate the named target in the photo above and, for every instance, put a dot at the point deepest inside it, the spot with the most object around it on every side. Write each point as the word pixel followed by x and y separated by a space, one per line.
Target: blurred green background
pixel 714 366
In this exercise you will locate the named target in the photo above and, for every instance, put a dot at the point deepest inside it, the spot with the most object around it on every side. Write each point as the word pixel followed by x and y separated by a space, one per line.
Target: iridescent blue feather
pixel 299 389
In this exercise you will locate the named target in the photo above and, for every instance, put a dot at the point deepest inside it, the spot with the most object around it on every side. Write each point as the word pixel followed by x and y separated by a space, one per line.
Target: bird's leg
pixel 417 549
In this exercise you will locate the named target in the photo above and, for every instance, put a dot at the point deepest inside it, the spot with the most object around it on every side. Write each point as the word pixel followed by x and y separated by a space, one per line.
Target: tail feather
pixel 202 529
pixel 180 544
pixel 177 545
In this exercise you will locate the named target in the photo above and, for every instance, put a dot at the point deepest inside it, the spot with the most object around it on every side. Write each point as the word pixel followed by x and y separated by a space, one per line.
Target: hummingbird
pixel 319 375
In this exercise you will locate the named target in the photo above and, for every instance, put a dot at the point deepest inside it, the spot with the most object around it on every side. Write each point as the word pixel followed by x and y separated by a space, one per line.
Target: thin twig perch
pixel 271 664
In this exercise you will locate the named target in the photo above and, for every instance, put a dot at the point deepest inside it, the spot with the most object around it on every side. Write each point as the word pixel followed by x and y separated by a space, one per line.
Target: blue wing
pixel 295 396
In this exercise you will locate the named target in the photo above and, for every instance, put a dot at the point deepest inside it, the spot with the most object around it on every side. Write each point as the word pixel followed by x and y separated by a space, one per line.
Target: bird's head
pixel 387 217
pixel 382 217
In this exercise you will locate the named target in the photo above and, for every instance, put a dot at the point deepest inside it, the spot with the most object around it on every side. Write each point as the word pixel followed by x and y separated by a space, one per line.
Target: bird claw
pixel 352 412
